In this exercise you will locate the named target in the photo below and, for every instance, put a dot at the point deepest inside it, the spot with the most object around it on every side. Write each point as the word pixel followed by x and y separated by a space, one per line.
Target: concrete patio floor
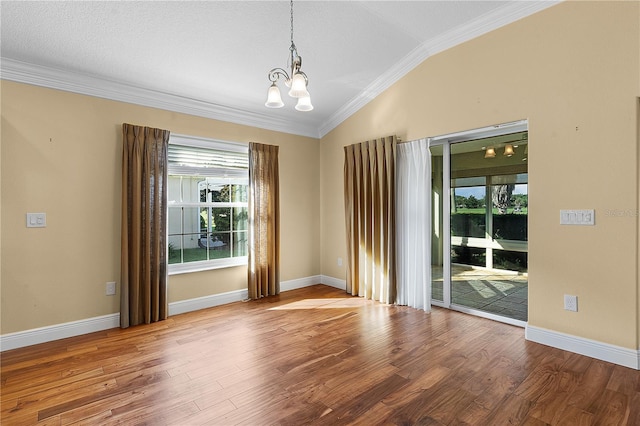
pixel 494 291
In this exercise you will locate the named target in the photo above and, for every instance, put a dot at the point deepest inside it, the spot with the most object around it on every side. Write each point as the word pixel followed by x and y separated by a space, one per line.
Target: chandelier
pixel 296 80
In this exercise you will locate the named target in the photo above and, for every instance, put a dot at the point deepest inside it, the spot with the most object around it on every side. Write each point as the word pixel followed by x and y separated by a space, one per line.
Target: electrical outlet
pixel 36 220
pixel 571 303
pixel 111 288
pixel 339 261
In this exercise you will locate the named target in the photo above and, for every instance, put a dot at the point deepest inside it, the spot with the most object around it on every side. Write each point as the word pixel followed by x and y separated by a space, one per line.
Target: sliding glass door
pixel 479 222
pixel 438 227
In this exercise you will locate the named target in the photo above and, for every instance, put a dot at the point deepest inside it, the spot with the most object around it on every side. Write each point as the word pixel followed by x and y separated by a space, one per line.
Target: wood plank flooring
pixel 313 356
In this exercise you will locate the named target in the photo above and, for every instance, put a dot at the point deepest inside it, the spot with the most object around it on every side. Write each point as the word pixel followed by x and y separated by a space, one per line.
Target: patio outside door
pixel 479 222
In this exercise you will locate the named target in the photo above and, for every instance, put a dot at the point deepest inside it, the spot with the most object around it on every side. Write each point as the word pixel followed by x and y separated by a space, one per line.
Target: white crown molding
pixel 579 345
pixel 69 81
pixel 511 12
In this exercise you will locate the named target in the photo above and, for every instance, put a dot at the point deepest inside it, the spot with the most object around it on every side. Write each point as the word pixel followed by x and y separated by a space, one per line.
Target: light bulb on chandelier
pixel 296 79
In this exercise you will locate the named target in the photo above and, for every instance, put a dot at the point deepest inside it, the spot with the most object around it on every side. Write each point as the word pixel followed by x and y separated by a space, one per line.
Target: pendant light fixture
pixel 296 80
pixel 490 153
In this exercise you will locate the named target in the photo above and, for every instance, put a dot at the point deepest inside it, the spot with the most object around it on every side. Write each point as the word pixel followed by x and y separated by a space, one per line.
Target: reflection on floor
pixel 498 292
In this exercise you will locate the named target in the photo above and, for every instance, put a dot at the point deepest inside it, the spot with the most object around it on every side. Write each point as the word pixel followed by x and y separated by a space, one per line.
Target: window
pixel 208 216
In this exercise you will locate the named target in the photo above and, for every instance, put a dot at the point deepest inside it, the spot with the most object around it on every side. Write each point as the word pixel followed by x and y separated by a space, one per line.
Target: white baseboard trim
pixel 89 325
pixel 598 350
pixel 333 282
pixel 591 348
pixel 58 331
pixel 190 305
pixel 300 283
pixel 196 304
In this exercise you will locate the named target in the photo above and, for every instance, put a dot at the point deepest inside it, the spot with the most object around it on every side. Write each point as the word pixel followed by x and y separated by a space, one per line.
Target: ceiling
pixel 211 58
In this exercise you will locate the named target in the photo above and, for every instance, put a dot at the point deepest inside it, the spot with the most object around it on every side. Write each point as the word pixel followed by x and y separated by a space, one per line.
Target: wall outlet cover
pixel 36 220
pixel 111 288
pixel 571 303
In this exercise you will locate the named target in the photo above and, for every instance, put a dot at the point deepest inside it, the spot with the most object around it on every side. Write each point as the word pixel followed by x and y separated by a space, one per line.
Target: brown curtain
pixel 143 295
pixel 264 221
pixel 369 197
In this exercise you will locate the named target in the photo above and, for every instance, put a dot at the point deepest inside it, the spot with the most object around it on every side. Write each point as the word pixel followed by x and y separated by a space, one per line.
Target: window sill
pixel 185 268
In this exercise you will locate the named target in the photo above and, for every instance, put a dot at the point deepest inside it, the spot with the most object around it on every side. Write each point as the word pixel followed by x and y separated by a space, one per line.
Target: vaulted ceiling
pixel 211 58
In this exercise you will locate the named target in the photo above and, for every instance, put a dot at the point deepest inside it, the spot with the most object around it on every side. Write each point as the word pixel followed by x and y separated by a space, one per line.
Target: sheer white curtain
pixel 413 219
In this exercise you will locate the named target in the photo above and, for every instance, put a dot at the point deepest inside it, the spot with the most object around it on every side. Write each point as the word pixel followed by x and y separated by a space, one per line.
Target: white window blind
pixel 207 157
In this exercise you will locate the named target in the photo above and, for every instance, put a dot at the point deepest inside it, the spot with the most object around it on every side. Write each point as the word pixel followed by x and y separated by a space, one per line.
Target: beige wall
pixel 573 71
pixel 61 154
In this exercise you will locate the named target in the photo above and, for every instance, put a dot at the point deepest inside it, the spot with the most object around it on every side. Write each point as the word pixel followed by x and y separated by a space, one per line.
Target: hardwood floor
pixel 313 356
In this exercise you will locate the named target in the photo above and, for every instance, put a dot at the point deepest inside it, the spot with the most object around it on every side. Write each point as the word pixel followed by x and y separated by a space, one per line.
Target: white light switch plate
pixel 36 220
pixel 578 217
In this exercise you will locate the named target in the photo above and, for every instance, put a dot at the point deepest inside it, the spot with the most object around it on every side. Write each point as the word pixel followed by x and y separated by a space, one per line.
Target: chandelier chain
pixel 291 21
